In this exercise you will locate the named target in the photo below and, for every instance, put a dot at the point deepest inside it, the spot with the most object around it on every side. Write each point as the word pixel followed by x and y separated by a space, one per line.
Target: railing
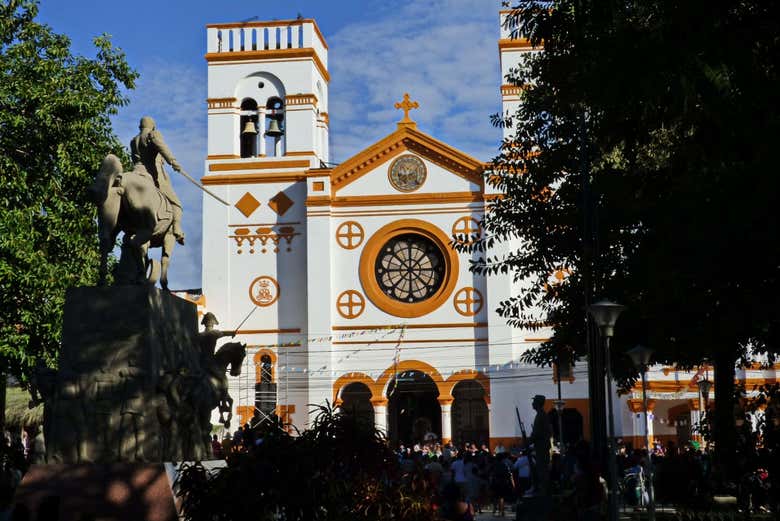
pixel 265 36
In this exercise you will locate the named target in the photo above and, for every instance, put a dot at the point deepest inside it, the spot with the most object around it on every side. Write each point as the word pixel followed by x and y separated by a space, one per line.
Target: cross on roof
pixel 406 105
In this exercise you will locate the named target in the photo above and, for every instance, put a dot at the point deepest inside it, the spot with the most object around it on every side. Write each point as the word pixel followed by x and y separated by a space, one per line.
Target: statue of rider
pixel 208 342
pixel 148 150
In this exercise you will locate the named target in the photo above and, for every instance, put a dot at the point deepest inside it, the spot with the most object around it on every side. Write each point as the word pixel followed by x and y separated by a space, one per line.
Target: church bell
pixel 249 128
pixel 274 130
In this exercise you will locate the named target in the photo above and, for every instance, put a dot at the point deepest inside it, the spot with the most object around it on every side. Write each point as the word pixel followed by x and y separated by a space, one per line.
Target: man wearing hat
pixel 148 150
pixel 208 338
pixel 541 436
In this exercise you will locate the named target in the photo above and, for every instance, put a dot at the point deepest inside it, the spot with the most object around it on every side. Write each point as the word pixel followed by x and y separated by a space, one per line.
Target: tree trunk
pixel 724 429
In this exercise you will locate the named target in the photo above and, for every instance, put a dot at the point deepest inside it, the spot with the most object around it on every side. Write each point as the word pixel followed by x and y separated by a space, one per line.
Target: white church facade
pixel 342 279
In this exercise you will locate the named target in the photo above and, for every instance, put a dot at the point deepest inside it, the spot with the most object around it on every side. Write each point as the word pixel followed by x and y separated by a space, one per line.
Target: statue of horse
pixel 231 354
pixel 130 202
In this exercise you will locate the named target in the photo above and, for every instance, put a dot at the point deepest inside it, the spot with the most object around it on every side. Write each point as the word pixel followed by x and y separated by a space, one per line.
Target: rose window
pixel 409 268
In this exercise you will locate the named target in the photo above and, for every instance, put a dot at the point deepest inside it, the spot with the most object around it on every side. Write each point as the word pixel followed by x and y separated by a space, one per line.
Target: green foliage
pixel 339 469
pixel 658 120
pixel 54 131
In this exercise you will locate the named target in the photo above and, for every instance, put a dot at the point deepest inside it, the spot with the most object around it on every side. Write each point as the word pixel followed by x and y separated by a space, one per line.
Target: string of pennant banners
pixel 390 329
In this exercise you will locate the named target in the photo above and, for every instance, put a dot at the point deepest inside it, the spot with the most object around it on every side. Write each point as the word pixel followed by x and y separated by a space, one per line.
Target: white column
pixel 261 129
pixel 446 420
pixel 380 414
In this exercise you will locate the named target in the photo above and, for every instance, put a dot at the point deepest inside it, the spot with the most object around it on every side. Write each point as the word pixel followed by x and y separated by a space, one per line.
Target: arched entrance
pixel 469 413
pixel 572 425
pixel 413 410
pixel 356 400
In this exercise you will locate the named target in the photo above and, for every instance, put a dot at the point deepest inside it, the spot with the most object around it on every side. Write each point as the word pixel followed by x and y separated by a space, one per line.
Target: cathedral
pixel 343 281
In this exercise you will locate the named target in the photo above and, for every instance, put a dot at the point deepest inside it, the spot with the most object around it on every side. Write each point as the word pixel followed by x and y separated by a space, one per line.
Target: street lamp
pixel 605 314
pixel 640 356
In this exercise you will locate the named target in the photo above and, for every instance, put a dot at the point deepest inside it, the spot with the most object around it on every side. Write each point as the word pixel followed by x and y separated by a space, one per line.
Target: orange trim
pixel 411 326
pixel 245 179
pixel 379 402
pixel 269 54
pixel 512 90
pixel 318 200
pixel 350 378
pixel 318 186
pixel 409 365
pixel 424 341
pixel 325 118
pixel 447 400
pixel 223 156
pixel 302 153
pixel 374 245
pixel 407 138
pixel 405 212
pixel 257 165
pixel 514 43
pixel 635 405
pixel 448 387
pixel 267 331
pixel 220 103
pixel 245 413
pixel 300 99
pixel 396 199
pixel 257 359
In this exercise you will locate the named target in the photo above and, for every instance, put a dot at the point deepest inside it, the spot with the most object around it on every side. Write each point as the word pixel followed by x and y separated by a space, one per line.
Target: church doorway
pixel 356 400
pixel 413 410
pixel 572 425
pixel 469 413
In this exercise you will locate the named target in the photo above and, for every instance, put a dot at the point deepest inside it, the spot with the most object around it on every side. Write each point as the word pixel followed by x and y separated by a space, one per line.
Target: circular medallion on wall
pixel 407 173
pixel 349 235
pixel 264 291
pixel 350 304
pixel 468 301
pixel 466 229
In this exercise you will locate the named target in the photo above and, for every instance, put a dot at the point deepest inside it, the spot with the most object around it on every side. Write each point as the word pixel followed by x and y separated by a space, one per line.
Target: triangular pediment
pixel 407 137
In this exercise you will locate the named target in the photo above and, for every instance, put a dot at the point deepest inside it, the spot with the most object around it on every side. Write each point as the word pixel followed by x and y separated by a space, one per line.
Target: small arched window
pixel 266 372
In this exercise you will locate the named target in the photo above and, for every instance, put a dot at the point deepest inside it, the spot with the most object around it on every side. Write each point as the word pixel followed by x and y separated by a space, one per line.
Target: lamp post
pixel 640 356
pixel 605 314
pixel 559 405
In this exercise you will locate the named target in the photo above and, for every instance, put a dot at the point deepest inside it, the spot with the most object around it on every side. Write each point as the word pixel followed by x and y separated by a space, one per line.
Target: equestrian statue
pixel 142 204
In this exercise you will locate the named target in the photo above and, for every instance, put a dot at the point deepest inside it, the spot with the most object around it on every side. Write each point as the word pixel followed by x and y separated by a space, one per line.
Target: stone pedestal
pixel 127 384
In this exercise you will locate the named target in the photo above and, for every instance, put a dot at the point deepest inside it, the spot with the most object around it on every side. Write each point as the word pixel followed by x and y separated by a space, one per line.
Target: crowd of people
pixel 470 479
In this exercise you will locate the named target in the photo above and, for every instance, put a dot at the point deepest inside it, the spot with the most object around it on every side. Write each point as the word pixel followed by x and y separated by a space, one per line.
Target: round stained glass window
pixel 409 268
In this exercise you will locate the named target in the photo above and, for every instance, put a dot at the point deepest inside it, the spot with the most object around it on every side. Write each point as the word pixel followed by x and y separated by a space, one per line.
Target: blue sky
pixel 443 52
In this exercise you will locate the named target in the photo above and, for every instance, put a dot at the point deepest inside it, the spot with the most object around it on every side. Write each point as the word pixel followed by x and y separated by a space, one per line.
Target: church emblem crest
pixel 407 173
pixel 264 291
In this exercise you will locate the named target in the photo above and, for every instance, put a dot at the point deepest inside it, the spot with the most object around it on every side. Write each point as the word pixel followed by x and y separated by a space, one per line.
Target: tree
pixel 661 117
pixel 54 131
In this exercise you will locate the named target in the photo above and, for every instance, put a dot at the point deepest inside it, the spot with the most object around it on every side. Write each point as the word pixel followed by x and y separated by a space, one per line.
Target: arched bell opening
pixel 470 421
pixel 275 127
pixel 356 400
pixel 248 126
pixel 414 413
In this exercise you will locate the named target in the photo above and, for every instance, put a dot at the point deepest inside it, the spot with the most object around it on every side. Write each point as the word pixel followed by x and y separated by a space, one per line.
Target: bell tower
pixel 267 113
pixel 267 90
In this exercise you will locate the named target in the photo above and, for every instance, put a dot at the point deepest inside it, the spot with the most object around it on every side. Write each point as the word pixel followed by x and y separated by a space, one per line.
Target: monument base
pixel 111 492
pixel 129 380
